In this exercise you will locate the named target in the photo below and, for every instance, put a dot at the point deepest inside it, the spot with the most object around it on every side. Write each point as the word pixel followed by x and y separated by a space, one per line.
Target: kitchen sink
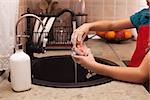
pixel 62 72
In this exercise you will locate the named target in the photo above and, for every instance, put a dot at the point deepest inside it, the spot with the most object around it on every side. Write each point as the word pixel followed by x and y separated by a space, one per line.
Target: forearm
pixel 129 74
pixel 107 25
pixel 101 26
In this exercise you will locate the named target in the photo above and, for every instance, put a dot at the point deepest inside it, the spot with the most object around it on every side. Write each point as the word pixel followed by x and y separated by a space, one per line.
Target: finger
pixel 72 55
pixel 76 59
pixel 85 50
pixel 89 52
pixel 73 41
pixel 80 37
pixel 83 37
pixel 74 38
pixel 90 55
pixel 78 51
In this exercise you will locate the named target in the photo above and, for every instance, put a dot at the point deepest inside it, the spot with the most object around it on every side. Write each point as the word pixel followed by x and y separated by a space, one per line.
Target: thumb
pixel 81 37
pixel 89 52
pixel 74 38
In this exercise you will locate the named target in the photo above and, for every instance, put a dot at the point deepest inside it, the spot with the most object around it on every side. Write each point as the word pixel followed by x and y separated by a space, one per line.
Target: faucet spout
pixel 16 30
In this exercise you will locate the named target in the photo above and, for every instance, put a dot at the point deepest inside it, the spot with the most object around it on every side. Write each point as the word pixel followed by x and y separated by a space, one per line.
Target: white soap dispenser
pixel 20 70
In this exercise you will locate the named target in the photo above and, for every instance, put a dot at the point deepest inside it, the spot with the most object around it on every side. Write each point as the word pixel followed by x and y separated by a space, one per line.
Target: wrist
pixel 88 26
pixel 93 65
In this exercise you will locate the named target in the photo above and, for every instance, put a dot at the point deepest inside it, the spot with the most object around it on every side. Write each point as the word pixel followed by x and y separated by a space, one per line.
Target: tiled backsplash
pixel 103 9
pixel 112 9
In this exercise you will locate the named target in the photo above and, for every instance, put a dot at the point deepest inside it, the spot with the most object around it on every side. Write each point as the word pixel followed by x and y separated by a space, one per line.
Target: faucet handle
pixel 23 36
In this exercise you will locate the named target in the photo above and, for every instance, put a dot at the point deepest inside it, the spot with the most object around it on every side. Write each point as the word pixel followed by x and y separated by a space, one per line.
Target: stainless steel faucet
pixel 21 35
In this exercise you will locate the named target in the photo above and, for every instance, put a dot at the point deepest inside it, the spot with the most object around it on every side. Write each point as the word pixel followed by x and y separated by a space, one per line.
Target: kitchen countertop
pixel 114 90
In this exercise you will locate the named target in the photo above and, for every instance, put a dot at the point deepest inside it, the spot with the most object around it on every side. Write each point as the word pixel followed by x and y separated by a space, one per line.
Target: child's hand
pixel 79 34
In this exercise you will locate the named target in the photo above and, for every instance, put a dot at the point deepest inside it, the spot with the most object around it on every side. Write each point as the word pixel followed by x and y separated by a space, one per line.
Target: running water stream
pixel 75 67
pixel 76 72
pixel 73 52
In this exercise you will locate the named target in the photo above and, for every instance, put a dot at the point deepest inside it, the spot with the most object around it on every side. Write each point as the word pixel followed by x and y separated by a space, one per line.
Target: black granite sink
pixel 59 71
